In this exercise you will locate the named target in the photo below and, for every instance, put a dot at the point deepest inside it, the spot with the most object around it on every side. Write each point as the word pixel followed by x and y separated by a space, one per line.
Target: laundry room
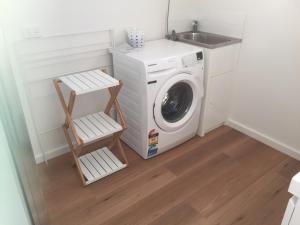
pixel 140 112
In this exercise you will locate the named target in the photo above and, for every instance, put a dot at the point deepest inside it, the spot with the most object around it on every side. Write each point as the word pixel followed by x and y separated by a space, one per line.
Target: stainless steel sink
pixel 206 40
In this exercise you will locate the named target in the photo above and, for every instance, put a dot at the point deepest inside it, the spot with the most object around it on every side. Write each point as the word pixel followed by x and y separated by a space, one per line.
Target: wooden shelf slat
pixel 95 126
pixel 98 164
pixel 89 81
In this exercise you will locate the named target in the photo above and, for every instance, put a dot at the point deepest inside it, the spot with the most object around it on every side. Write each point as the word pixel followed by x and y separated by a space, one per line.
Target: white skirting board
pixel 288 150
pixel 52 154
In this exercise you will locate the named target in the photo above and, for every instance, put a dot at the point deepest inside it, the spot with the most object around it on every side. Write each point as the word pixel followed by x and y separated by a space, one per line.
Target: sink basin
pixel 206 40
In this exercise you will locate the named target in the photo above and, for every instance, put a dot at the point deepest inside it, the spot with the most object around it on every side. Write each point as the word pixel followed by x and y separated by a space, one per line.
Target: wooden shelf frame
pixel 70 128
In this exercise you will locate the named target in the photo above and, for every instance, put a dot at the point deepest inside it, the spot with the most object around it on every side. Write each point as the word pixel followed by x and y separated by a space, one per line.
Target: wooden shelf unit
pixel 94 127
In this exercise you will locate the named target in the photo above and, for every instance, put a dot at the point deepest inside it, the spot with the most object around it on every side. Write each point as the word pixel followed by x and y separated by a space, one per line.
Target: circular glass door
pixel 177 102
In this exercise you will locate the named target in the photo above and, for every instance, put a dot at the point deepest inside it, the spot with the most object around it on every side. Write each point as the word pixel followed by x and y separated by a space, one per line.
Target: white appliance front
pixel 161 97
pixel 292 213
pixel 174 108
pixel 175 102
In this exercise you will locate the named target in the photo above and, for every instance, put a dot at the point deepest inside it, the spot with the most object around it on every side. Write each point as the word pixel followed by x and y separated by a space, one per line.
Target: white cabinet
pixel 292 213
pixel 219 67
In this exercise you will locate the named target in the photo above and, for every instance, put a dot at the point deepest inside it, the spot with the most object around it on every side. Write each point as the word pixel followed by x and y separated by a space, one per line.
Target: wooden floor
pixel 225 178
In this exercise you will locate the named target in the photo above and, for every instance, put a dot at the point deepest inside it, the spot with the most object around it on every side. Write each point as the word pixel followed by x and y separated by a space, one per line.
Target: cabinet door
pixel 295 217
pixel 221 60
pixel 289 211
pixel 218 101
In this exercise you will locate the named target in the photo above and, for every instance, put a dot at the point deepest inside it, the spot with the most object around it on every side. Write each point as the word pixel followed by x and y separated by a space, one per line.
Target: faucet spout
pixel 195 25
pixel 174 35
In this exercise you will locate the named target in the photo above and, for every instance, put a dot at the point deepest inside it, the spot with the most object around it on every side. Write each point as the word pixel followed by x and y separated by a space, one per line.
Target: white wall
pixel 69 16
pixel 267 88
pixel 39 60
pixel 13 210
pixel 265 101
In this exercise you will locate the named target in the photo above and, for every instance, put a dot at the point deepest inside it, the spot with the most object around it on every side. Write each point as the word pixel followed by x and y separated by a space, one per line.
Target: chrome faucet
pixel 174 35
pixel 195 26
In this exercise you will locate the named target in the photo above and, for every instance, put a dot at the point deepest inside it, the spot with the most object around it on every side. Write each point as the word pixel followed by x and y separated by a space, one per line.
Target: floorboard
pixel 225 178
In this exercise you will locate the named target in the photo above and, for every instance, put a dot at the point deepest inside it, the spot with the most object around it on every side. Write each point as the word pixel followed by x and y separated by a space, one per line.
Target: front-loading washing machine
pixel 162 93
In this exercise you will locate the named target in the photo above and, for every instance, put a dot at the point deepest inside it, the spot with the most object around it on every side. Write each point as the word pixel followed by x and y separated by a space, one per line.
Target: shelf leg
pixel 74 154
pixel 114 91
pixel 117 142
pixel 122 151
pixel 70 105
pixel 68 121
pixel 78 169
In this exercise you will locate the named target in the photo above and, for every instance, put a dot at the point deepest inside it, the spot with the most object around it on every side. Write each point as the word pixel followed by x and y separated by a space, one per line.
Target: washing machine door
pixel 176 102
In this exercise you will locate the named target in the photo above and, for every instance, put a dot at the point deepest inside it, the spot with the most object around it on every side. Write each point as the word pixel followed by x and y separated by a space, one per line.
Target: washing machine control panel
pixel 192 59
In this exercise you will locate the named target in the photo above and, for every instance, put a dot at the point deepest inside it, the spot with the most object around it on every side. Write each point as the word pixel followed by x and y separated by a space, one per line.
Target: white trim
pixel 58 35
pixel 51 154
pixel 284 148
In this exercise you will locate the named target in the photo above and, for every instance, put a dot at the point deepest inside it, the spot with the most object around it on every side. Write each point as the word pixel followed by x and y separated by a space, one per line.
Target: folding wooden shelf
pixel 94 127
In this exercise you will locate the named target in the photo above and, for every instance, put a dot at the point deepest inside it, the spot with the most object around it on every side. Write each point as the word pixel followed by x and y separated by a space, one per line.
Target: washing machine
pixel 162 94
